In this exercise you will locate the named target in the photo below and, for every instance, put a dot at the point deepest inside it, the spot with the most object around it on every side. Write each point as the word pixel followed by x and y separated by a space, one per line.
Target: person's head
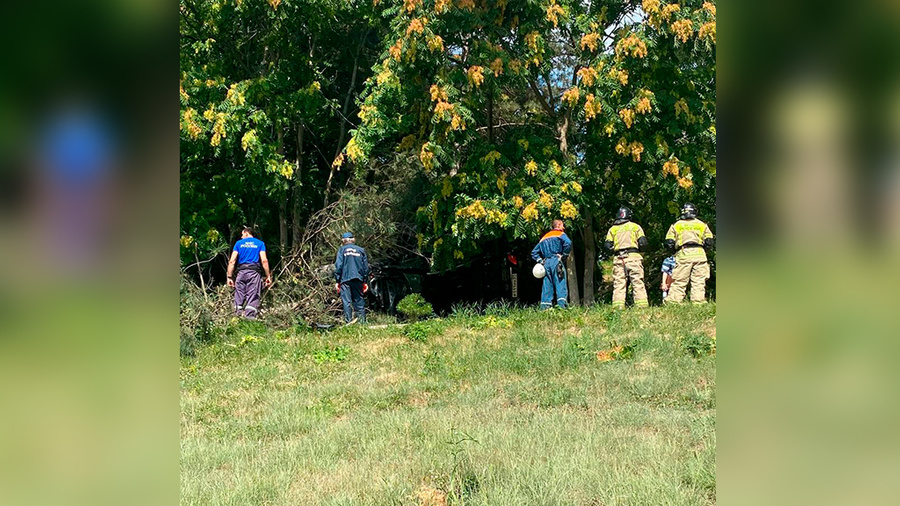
pixel 558 225
pixel 247 232
pixel 688 211
pixel 347 238
pixel 623 214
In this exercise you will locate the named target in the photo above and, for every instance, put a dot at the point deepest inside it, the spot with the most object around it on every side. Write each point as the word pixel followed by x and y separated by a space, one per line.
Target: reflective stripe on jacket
pixel 688 232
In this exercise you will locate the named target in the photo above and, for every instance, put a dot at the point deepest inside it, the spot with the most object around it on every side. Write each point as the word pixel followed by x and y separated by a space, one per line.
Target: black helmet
pixel 688 211
pixel 623 214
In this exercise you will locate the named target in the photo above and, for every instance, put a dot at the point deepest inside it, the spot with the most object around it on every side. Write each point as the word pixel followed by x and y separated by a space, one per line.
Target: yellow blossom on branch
pixel 410 5
pixel 186 241
pixel 651 6
pixel 248 139
pixel 354 151
pixel 588 75
pixel 681 107
pixel 469 5
pixel 622 147
pixel 515 66
pixel 643 106
pixel 553 12
pixel 497 67
pixel 384 76
pixel 193 130
pixel 532 40
pixel 518 202
pixel 670 9
pixel 475 210
pixel 620 75
pixel 683 29
pixel 475 75
pixel 396 50
pixel 685 182
pixel 530 212
pixel 494 216
pixel 546 200
pixel 426 156
pixel 571 95
pixel 441 6
pixel 437 93
pixel 457 123
pixel 442 107
pixel 557 168
pixel 591 107
pixel 415 26
pixel 435 43
pixel 575 186
pixel 365 112
pixel 609 129
pixel 531 168
pixel 710 8
pixel 627 116
pixel 590 40
pixel 568 210
pixel 636 149
pixel 708 30
pixel 447 188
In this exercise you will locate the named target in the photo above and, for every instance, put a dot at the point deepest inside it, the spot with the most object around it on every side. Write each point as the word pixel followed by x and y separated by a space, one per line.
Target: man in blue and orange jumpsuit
pixel 351 271
pixel 550 251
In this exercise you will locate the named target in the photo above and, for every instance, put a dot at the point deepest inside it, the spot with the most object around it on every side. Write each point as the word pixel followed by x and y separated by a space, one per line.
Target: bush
pixel 413 306
pixel 699 345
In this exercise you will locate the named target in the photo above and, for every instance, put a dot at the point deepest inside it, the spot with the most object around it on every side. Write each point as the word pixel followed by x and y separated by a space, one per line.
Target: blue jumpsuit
pixel 351 270
pixel 552 248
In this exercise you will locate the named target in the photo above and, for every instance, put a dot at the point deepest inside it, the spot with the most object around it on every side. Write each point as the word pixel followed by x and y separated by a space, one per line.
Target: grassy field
pixel 514 407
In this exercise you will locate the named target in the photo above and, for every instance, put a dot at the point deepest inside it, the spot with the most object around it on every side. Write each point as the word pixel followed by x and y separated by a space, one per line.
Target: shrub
pixel 413 306
pixel 698 345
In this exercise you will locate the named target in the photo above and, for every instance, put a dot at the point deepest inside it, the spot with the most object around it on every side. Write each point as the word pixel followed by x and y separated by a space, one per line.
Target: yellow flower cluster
pixel 681 107
pixel 619 74
pixel 475 75
pixel 437 93
pixel 441 6
pixel 643 106
pixel 557 168
pixel 469 5
pixel 497 67
pixel 502 183
pixel 490 158
pixel 571 95
pixel 627 116
pixel 710 8
pixel 591 107
pixel 575 186
pixel 410 5
pixel 384 76
pixel 671 167
pixel 365 112
pixel 708 30
pixel 285 168
pixel 415 26
pixel 396 50
pixel 494 216
pixel 567 210
pixel 651 6
pixel 435 43
pixel 457 123
pixel 588 75
pixel 442 107
pixel 407 142
pixel 518 202
pixel 218 129
pixel 475 210
pixel 336 164
pixel 183 93
pixel 234 96
pixel 590 40
pixel 532 40
pixel 530 212
pixel 193 130
pixel 670 9
pixel 515 66
pixel 546 200
pixel 248 139
pixel 553 12
pixel 354 151
pixel 457 254
pixel 531 168
pixel 186 241
pixel 609 129
pixel 685 182
pixel 635 149
pixel 631 44
pixel 447 188
pixel 683 29
pixel 426 156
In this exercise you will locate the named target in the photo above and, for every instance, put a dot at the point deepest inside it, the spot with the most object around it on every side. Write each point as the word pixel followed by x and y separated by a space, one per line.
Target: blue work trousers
pixel 552 283
pixel 352 297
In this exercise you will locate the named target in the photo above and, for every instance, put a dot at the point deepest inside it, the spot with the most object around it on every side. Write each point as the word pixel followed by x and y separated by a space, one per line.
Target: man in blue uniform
pixel 351 271
pixel 550 251
pixel 249 255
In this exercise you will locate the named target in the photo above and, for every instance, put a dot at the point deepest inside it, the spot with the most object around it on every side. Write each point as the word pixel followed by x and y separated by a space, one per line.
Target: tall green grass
pixel 510 407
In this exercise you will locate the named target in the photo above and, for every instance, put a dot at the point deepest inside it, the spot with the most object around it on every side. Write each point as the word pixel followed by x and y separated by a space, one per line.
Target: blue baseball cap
pixel 347 235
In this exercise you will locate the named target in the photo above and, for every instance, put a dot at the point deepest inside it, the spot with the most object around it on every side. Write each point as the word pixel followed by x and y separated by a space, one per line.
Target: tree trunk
pixel 282 207
pixel 590 253
pixel 298 172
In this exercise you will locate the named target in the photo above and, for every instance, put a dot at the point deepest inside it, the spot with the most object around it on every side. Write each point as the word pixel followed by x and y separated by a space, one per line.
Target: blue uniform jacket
pixel 351 263
pixel 553 243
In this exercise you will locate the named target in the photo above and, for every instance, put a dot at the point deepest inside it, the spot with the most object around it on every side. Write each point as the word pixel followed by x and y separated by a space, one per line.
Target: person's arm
pixel 641 240
pixel 670 238
pixel 608 243
pixel 709 241
pixel 230 273
pixel 536 252
pixel 566 244
pixel 265 263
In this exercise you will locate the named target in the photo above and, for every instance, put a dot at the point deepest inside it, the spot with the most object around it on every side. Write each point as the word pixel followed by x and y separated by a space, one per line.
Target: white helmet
pixel 539 271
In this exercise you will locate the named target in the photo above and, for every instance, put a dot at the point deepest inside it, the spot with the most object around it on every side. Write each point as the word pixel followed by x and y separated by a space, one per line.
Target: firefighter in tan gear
pixel 625 239
pixel 688 237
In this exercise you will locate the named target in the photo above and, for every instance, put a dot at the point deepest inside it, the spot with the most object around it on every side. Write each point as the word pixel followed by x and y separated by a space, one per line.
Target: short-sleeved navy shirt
pixel 248 250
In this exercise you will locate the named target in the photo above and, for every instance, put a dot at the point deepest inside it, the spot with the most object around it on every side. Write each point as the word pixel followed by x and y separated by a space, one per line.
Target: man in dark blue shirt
pixel 249 255
pixel 551 251
pixel 351 271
